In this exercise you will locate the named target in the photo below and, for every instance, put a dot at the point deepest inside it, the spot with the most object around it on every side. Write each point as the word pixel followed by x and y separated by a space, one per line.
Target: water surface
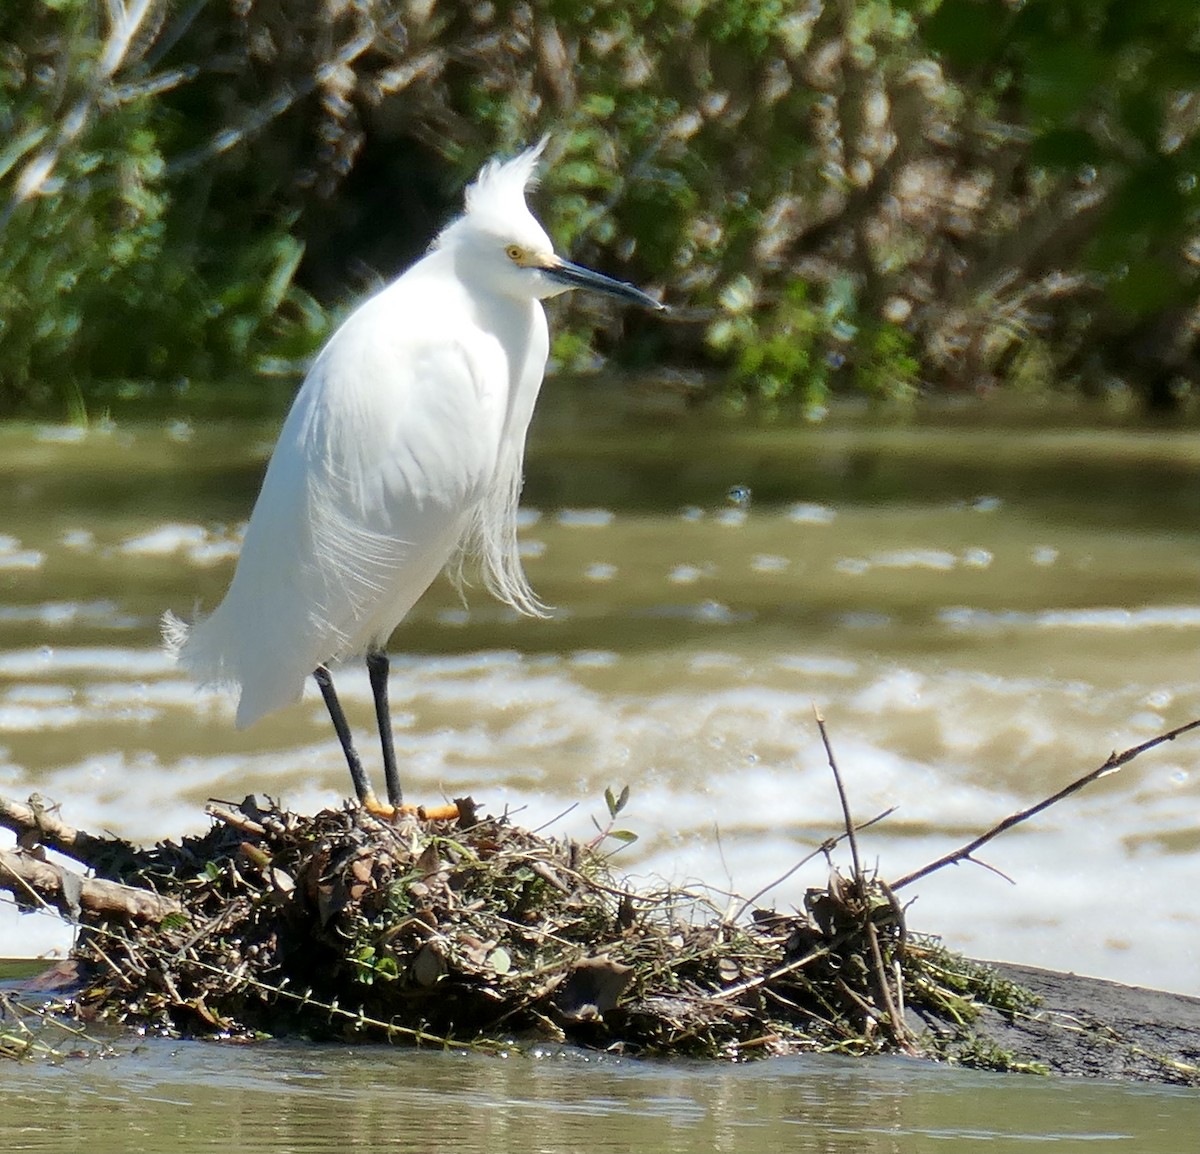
pixel 287 1100
pixel 982 611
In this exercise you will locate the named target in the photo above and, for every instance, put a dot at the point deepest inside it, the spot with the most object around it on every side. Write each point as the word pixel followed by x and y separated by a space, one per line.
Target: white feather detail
pixel 491 537
pixel 496 197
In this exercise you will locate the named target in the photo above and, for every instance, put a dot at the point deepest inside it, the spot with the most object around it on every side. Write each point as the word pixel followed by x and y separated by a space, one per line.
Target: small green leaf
pixel 615 802
pixel 625 835
pixel 500 960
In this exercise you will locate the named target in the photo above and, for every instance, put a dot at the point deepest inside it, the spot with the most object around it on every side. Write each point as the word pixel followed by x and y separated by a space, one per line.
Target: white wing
pixel 391 446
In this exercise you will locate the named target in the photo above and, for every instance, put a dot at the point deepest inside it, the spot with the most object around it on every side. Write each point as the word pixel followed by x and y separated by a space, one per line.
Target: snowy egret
pixel 403 448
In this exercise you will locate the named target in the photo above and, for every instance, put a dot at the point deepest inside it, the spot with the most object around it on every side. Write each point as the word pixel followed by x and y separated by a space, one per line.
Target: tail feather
pixel 202 649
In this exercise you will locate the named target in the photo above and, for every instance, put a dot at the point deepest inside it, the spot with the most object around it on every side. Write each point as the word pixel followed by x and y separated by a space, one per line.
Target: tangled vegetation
pixel 486 936
pixel 878 195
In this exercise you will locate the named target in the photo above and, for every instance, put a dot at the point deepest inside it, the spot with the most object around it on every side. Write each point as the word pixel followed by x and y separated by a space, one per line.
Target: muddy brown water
pixel 982 607
pixel 286 1099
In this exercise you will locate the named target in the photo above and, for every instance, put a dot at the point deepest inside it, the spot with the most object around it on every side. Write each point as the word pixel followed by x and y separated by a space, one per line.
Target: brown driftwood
pixel 37 882
pixel 37 824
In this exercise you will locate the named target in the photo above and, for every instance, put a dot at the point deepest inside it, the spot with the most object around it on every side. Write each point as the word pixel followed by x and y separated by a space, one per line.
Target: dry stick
pixel 34 822
pixel 825 847
pixel 899 1030
pixel 1115 761
pixel 22 874
pixel 233 818
pixel 859 881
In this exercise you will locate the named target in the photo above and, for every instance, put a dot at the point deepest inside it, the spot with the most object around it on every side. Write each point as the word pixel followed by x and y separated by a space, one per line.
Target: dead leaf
pixel 429 862
pixel 282 881
pixel 591 989
pixel 429 964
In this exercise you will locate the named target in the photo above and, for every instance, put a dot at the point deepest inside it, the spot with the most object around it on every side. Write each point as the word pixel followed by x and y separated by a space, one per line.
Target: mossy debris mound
pixel 487 935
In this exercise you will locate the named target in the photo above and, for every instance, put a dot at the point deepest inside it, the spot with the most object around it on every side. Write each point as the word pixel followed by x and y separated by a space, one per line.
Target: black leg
pixel 377 670
pixel 362 788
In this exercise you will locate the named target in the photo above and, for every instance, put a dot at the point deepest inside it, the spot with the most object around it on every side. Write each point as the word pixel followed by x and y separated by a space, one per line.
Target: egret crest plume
pixel 497 195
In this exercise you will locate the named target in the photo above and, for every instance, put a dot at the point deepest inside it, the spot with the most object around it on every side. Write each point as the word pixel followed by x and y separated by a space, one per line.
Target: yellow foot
pixel 425 812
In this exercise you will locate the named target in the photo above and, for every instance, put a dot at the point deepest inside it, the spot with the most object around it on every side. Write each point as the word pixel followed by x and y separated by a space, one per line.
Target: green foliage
pixel 883 196
pixel 614 803
pixel 112 266
pixel 776 353
pixel 887 367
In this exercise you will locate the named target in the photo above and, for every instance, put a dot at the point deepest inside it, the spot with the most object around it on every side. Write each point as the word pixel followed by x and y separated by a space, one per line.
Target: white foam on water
pixel 47 660
pixel 61 614
pixel 22 559
pixel 965 619
pixel 938 559
pixel 60 434
pixel 81 539
pixel 165 540
pixel 585 518
pixel 806 513
pixel 201 546
pixel 1155 617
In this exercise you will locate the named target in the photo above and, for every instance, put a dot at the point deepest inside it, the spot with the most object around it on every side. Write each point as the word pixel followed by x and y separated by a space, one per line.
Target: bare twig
pixel 234 818
pixel 849 821
pixel 1115 761
pixel 825 847
pixel 901 1034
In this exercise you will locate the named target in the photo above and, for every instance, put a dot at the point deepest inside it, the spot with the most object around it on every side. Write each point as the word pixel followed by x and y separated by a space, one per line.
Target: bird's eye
pixel 515 253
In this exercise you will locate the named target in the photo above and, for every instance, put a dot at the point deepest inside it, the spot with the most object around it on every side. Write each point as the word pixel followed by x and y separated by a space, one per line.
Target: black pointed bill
pixel 576 276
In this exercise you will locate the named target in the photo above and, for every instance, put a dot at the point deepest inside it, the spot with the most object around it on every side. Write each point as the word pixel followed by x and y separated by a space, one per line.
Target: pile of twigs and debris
pixel 485 935
pixel 482 935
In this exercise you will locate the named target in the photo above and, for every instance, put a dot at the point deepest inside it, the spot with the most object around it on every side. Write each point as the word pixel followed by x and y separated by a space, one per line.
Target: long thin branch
pixel 859 881
pixel 896 1024
pixel 1115 761
pixel 42 882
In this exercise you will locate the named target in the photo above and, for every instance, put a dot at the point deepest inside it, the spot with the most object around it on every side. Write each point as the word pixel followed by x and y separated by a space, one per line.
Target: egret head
pixel 509 250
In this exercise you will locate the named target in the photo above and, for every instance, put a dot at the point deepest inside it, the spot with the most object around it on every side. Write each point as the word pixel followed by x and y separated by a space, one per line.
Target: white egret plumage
pixel 404 445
